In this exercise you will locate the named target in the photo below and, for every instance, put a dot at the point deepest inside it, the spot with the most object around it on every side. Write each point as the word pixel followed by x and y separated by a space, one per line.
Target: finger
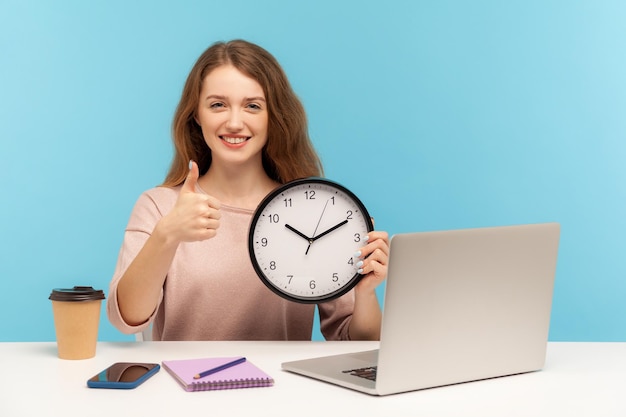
pixel 189 186
pixel 214 206
pixel 377 257
pixel 377 270
pixel 374 245
pixel 377 261
pixel 211 224
pixel 376 234
pixel 378 254
pixel 205 234
pixel 373 275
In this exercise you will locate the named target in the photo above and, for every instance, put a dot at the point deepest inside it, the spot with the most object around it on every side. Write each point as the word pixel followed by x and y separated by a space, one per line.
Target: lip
pixel 234 140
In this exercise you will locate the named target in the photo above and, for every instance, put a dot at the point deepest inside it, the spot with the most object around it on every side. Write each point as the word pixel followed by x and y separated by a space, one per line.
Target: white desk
pixel 580 379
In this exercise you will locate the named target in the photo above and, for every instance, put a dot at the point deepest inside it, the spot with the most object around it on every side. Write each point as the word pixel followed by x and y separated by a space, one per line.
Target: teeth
pixel 234 141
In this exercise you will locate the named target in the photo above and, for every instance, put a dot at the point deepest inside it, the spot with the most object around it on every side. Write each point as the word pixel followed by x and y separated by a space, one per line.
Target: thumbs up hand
pixel 195 216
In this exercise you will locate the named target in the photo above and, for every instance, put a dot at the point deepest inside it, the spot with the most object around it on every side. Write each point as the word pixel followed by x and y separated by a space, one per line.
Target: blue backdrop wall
pixel 439 115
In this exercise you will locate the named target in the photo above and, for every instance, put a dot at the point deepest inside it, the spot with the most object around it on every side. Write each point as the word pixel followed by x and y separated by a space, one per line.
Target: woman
pixel 239 132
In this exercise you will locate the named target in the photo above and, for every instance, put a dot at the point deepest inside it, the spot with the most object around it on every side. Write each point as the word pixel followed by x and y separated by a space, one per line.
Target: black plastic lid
pixel 76 294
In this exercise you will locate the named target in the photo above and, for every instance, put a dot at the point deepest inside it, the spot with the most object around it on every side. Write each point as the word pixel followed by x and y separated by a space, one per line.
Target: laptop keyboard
pixel 367 373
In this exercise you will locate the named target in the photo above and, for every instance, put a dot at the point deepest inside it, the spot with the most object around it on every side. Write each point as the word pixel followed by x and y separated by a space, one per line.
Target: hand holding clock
pixel 367 316
pixel 374 257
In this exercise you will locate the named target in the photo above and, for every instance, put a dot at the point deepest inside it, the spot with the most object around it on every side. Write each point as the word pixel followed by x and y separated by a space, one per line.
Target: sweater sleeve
pixel 144 217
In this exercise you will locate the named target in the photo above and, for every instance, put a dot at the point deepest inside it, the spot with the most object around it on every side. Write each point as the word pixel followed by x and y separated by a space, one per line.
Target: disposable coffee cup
pixel 76 319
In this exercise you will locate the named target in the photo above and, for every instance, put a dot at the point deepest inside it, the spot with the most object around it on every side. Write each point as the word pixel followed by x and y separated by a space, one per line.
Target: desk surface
pixel 579 379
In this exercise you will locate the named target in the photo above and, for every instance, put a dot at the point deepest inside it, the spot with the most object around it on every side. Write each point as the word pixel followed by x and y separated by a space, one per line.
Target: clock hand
pixel 321 215
pixel 318 225
pixel 308 239
pixel 337 226
pixel 298 233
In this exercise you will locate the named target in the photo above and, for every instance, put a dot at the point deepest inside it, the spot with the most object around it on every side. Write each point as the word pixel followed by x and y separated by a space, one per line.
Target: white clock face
pixel 303 238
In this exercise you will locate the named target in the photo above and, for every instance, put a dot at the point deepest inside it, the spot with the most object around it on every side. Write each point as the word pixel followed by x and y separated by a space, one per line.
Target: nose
pixel 235 121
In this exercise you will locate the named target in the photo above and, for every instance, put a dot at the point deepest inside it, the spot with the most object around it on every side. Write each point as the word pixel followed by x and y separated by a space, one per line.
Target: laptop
pixel 460 305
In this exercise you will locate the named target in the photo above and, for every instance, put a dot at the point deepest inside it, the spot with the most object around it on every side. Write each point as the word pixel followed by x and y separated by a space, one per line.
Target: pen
pixel 219 368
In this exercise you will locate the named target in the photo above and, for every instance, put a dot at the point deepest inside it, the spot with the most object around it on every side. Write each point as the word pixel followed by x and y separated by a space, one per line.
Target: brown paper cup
pixel 76 319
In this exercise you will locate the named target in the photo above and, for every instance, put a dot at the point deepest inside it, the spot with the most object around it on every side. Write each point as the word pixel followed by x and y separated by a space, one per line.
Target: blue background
pixel 439 115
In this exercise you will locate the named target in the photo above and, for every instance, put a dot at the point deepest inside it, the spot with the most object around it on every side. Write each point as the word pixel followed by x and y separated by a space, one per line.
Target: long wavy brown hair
pixel 288 154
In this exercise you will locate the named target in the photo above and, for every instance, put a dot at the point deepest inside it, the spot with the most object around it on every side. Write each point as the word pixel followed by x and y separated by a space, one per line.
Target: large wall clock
pixel 303 239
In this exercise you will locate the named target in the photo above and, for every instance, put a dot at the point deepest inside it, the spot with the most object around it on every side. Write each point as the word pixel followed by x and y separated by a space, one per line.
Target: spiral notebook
pixel 243 375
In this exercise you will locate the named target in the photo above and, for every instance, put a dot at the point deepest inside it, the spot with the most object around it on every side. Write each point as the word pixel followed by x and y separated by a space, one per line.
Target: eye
pixel 216 105
pixel 254 106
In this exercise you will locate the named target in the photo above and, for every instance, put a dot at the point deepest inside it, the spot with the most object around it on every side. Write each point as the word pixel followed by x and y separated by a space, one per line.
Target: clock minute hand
pixel 337 226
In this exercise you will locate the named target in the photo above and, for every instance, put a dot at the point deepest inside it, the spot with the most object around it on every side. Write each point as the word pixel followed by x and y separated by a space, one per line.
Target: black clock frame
pixel 255 218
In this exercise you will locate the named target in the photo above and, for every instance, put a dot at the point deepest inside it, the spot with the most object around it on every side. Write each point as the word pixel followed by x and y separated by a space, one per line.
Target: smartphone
pixel 123 375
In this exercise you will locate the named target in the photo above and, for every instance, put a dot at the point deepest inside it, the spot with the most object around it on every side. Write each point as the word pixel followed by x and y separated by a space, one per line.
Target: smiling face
pixel 232 113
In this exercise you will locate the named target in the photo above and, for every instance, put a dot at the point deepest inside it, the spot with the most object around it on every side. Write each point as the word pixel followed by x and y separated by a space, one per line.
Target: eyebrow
pixel 220 97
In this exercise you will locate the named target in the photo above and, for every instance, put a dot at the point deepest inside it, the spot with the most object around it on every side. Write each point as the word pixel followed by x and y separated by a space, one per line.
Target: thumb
pixel 189 185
